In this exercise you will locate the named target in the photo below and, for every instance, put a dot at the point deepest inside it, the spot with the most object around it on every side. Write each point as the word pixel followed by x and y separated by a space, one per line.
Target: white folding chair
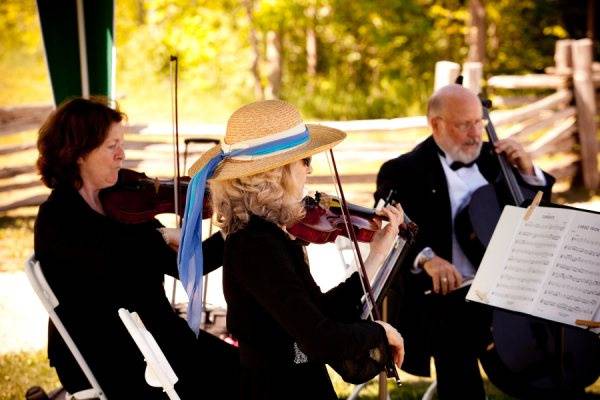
pixel 430 392
pixel 158 370
pixel 50 302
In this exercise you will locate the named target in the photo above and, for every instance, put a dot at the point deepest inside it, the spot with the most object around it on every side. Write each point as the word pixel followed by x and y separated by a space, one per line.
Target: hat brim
pixel 321 138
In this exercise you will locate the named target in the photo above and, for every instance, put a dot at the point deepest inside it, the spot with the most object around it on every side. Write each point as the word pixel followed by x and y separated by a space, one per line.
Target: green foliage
pixel 17 18
pixel 23 73
pixel 369 63
pixel 19 371
pixel 522 35
pixel 375 58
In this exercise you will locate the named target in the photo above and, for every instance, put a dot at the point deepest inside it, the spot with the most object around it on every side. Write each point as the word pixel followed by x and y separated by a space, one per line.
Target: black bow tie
pixel 456 165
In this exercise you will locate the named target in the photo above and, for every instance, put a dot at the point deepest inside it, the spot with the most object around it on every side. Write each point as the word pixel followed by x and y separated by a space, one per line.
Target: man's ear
pixel 434 123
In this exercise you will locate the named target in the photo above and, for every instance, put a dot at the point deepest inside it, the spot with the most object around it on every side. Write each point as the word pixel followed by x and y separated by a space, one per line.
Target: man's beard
pixel 456 152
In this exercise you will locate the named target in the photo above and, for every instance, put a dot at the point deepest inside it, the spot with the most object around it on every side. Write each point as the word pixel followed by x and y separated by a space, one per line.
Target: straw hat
pixel 256 123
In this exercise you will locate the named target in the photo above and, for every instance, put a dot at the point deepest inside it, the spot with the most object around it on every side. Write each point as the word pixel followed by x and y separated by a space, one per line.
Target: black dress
pixel 286 327
pixel 96 265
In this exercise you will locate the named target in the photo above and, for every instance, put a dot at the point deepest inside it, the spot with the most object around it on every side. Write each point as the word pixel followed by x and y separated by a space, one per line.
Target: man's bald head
pixel 448 95
pixel 454 114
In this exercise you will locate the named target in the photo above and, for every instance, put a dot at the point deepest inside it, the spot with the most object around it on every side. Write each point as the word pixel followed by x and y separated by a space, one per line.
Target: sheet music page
pixel 572 288
pixel 548 266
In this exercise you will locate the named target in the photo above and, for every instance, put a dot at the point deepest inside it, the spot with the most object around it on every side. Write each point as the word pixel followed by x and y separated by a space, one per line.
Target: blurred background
pixel 365 66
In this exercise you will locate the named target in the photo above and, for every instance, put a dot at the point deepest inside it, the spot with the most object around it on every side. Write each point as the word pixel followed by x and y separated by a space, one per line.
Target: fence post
pixel 585 101
pixel 472 74
pixel 562 56
pixel 446 73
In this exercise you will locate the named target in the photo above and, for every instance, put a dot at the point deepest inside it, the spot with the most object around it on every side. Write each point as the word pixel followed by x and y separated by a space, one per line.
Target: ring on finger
pixel 445 280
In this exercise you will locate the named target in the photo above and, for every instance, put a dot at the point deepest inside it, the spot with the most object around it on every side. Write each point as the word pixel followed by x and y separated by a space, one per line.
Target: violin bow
pixel 391 370
pixel 174 68
pixel 174 75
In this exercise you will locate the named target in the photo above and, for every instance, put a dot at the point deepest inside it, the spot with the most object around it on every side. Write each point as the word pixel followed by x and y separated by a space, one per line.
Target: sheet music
pixel 548 266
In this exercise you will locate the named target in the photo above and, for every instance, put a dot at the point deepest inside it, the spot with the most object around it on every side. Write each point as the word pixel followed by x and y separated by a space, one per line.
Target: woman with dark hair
pixel 96 265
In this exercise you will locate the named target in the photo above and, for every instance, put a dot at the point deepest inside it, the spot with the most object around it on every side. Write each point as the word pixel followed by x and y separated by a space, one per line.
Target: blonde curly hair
pixel 269 195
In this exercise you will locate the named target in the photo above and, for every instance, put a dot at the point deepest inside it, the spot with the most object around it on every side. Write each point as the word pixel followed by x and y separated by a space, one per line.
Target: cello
pixel 526 357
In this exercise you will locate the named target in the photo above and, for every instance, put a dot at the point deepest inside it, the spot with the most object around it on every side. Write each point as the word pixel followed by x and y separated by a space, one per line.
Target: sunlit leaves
pixel 375 58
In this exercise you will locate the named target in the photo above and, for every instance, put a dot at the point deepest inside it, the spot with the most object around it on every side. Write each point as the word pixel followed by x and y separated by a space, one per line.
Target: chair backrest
pixel 430 392
pixel 50 302
pixel 159 372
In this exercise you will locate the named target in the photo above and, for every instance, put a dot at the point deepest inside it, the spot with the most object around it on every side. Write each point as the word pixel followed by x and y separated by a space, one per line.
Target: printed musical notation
pixel 548 266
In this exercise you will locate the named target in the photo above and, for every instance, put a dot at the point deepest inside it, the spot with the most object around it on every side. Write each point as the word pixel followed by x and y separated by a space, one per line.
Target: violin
pixel 324 221
pixel 136 198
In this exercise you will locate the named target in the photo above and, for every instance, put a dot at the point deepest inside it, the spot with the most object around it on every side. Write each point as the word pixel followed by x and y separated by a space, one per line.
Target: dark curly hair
pixel 72 131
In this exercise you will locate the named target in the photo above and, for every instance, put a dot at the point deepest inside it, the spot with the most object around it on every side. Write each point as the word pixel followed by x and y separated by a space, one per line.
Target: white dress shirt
pixel 461 185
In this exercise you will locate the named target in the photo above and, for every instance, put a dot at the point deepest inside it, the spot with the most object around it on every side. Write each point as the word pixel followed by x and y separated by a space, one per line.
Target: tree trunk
pixel 274 61
pixel 140 12
pixel 311 50
pixel 476 32
pixel 258 88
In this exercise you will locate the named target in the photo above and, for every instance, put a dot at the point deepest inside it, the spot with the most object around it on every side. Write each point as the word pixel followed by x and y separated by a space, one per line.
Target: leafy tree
pixel 335 58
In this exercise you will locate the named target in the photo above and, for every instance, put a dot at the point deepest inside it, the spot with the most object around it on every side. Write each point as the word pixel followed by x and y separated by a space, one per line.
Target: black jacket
pixel 286 327
pixel 96 265
pixel 420 185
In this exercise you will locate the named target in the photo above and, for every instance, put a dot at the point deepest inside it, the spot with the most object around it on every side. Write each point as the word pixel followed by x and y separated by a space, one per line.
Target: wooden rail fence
pixel 557 117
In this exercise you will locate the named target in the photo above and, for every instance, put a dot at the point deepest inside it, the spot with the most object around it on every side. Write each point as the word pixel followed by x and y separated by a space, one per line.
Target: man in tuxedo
pixel 434 182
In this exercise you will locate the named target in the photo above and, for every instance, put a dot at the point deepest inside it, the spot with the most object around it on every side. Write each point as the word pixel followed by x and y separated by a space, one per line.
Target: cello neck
pixel 507 172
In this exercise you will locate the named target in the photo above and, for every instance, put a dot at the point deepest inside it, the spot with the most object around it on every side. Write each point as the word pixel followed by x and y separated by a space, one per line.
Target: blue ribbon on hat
pixel 190 259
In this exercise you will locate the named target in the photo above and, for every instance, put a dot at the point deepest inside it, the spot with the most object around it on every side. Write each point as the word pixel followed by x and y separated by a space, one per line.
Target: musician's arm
pixel 271 279
pixel 343 301
pixel 212 250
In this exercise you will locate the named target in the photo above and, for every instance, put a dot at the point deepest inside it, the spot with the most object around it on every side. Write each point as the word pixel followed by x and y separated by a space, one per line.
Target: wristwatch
pixel 425 255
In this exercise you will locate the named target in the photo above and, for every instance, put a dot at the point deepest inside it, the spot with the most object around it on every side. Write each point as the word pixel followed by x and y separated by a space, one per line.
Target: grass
pixel 19 371
pixel 16 239
pixel 413 388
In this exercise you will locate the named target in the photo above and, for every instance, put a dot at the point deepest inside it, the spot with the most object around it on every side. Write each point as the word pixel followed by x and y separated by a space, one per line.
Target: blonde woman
pixel 286 327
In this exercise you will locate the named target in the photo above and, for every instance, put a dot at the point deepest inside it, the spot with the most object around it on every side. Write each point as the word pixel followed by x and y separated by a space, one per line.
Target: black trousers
pixel 220 366
pixel 460 331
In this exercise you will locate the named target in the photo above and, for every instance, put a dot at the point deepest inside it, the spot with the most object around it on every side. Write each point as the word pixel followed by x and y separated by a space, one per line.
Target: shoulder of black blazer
pixel 408 168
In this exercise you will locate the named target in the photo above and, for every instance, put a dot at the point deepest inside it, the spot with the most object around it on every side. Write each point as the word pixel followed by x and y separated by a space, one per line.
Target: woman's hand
pixel 395 341
pixel 384 238
pixel 172 236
